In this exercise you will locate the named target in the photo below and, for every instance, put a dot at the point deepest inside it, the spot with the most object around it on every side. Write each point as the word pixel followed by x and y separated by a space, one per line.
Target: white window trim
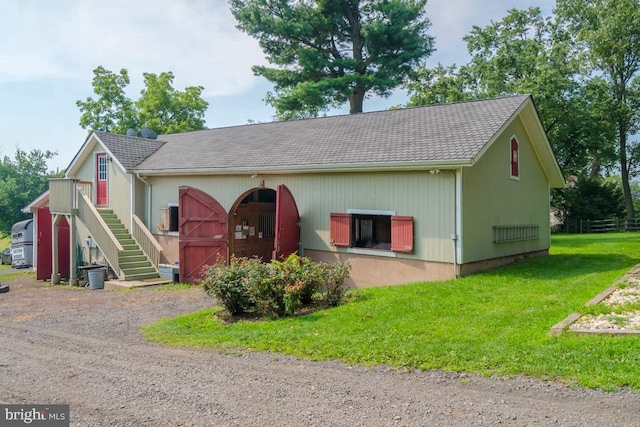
pixel 376 252
pixel 370 212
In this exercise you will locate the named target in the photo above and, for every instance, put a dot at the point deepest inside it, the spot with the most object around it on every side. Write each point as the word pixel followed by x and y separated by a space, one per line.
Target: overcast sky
pixel 48 50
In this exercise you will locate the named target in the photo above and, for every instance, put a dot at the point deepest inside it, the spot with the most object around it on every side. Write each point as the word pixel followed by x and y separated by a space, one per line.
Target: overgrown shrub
pixel 313 276
pixel 336 274
pixel 276 288
pixel 267 287
pixel 228 283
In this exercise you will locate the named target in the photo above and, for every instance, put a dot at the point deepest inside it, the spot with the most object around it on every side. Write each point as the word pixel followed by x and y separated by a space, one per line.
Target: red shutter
pixel 402 234
pixel 515 170
pixel 340 229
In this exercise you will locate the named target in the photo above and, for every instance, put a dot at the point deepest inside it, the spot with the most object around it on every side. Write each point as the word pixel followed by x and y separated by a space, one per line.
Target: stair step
pixel 116 226
pixel 133 262
pixel 139 270
pixel 126 266
pixel 141 276
pixel 128 257
pixel 127 242
pixel 126 254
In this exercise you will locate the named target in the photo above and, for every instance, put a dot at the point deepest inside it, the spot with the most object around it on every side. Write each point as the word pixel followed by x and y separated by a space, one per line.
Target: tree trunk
pixel 356 99
pixel 628 198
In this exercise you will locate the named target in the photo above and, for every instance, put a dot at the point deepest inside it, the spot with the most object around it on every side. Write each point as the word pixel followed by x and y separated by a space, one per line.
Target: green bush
pixel 276 288
pixel 336 274
pixel 267 287
pixel 228 283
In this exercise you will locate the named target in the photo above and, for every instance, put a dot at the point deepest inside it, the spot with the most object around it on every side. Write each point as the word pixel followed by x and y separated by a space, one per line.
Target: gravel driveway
pixel 83 348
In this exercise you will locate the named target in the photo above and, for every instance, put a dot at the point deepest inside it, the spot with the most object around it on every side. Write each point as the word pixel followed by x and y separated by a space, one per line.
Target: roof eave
pixel 305 169
pixel 40 201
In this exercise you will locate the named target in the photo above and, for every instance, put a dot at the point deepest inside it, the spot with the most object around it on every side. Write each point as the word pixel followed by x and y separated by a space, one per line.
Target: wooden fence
pixel 599 225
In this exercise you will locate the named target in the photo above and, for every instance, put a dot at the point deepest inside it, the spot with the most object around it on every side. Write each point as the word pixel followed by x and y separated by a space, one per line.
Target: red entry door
pixel 43 265
pixel 102 177
pixel 287 233
pixel 203 231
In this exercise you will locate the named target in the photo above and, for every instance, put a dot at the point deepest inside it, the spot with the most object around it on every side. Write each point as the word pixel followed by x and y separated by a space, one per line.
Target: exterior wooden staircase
pixel 133 262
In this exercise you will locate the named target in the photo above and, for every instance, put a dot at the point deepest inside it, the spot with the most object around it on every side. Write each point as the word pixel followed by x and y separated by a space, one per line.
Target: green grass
pixel 174 287
pixel 5 242
pixel 18 273
pixel 493 323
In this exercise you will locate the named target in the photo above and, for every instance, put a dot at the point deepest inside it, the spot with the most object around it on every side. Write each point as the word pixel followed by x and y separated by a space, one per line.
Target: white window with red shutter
pixel 372 232
pixel 515 158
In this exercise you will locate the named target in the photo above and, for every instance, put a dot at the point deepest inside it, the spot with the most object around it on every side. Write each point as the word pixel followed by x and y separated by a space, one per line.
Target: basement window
pixel 375 231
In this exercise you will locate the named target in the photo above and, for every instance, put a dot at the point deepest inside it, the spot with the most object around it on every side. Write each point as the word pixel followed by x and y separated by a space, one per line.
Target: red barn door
pixel 43 265
pixel 287 233
pixel 203 231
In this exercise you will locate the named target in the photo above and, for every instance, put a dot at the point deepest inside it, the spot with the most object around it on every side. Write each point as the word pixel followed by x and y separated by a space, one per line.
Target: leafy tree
pixel 526 52
pixel 328 52
pixel 609 32
pixel 22 180
pixel 113 111
pixel 160 107
pixel 439 85
pixel 166 110
pixel 590 198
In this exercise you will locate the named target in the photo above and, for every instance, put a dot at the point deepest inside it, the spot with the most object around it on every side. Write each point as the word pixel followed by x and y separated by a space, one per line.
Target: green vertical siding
pixel 429 198
pixel 120 194
pixel 119 189
pixel 140 194
pixel 491 197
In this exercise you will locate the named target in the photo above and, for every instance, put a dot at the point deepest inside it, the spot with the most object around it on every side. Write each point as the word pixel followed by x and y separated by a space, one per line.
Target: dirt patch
pixel 83 348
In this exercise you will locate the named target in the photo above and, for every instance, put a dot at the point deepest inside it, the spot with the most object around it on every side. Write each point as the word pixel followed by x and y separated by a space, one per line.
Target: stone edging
pixel 564 325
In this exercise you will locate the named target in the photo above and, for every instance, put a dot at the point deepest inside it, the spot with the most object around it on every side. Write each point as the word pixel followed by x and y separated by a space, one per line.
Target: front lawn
pixel 492 323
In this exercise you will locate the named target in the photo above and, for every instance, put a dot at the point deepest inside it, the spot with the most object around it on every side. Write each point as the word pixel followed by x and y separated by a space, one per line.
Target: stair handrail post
pixel 103 236
pixel 146 240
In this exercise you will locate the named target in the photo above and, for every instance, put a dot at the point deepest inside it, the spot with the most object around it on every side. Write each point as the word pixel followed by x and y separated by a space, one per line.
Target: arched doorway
pixel 252 222
pixel 264 223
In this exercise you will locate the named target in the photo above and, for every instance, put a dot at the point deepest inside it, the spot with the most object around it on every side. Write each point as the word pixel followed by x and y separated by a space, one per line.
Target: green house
pixel 405 195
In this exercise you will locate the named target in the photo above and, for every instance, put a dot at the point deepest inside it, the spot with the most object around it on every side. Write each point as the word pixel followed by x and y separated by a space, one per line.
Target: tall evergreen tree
pixel 329 52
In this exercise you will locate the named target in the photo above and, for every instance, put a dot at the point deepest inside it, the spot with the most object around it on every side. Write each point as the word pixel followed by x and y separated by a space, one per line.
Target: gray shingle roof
pixel 451 132
pixel 130 151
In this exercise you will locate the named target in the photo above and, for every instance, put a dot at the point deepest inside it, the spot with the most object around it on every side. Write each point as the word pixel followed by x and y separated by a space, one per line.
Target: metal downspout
pixel 454 236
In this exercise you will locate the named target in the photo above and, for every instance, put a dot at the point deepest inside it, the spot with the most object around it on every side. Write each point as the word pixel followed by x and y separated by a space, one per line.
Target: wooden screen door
pixel 102 176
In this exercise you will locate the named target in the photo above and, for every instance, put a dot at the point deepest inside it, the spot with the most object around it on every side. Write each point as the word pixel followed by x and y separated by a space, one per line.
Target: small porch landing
pixel 113 285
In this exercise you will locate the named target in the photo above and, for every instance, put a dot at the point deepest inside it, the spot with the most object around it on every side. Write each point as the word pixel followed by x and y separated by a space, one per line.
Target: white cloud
pixel 196 40
pixel 48 50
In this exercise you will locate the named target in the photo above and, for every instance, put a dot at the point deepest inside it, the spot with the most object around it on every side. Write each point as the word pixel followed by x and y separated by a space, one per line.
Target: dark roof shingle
pixel 450 132
pixel 130 151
